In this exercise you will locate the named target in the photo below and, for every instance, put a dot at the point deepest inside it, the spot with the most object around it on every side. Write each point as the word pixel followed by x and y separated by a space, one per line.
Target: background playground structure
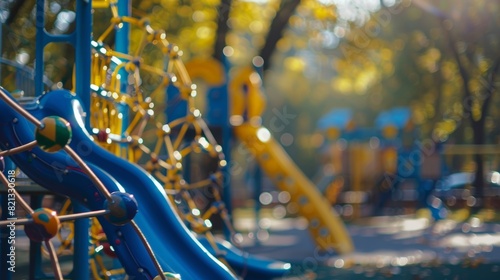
pixel 213 149
pixel 366 169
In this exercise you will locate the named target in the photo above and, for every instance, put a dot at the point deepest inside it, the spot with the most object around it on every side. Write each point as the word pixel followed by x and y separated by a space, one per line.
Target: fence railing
pixel 16 76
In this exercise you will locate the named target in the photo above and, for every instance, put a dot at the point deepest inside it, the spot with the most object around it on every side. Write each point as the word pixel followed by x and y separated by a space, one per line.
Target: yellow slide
pixel 325 226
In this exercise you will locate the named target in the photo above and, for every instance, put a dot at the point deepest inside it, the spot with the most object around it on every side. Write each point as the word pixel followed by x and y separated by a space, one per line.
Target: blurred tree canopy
pixel 441 59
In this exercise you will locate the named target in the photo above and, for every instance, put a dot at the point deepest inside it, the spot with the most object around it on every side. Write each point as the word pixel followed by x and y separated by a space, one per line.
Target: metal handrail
pixel 27 77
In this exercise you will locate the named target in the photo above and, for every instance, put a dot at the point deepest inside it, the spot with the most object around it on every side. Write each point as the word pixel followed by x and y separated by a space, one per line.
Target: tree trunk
pixel 478 128
pixel 280 21
pixel 222 28
pixel 15 10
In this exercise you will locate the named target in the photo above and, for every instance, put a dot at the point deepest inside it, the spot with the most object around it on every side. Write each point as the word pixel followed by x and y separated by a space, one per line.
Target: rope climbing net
pixel 120 79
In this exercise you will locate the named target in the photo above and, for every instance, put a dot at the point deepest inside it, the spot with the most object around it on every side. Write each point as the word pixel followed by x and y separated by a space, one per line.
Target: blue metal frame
pixel 227 136
pixel 80 244
pixel 80 39
pixel 122 45
pixel 217 115
pixel 155 210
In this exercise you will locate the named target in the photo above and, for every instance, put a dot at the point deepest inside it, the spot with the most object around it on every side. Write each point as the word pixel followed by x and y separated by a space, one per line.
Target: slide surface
pixel 175 248
pixel 327 229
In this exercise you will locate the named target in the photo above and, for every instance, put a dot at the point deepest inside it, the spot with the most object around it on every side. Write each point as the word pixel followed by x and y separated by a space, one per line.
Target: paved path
pixel 390 246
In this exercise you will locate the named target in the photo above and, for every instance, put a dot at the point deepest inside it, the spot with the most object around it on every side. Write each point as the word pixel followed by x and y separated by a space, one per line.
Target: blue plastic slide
pixel 247 266
pixel 174 246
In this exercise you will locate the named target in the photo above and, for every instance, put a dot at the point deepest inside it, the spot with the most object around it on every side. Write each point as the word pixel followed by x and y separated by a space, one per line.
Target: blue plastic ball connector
pixel 2 164
pixel 45 225
pixel 122 208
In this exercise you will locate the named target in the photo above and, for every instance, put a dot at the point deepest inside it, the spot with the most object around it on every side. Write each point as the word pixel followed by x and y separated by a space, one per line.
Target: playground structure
pixel 128 154
pixel 386 154
pixel 122 234
pixel 117 117
pixel 360 161
pixel 409 174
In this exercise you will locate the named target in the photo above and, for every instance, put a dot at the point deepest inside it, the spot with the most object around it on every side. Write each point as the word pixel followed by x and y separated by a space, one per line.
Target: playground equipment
pixel 154 204
pixel 152 231
pixel 325 226
pixel 386 153
pixel 119 111
pixel 109 121
pixel 166 160
pixel 51 135
pixel 247 105
pixel 347 159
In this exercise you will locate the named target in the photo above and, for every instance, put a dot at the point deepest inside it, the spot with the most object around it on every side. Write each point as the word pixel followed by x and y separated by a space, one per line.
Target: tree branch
pixel 461 68
pixel 442 17
pixel 16 8
pixel 280 21
pixel 490 88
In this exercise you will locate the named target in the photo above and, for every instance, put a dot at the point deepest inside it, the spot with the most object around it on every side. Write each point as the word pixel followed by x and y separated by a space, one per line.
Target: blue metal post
pixel 35 259
pixel 227 135
pixel 257 191
pixel 122 45
pixel 40 45
pixel 257 177
pixel 81 245
pixel 123 33
pixel 83 54
pixel 80 39
pixel 217 115
pixel 226 171
pixel 82 63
